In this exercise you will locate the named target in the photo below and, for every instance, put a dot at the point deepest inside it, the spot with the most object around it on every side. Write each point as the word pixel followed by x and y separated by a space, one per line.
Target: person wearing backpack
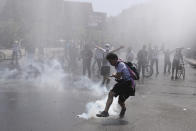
pixel 124 87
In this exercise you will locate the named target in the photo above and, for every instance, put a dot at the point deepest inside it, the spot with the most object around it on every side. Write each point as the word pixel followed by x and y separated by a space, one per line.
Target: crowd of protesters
pixel 89 58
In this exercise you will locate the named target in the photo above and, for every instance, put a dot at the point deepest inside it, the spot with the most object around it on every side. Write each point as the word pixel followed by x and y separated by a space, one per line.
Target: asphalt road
pixel 159 105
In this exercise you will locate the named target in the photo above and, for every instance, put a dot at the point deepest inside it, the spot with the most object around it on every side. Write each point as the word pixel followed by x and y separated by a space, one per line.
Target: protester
pixel 155 59
pixel 98 58
pixel 124 87
pixel 15 52
pixel 86 56
pixel 167 61
pixel 142 60
pixel 178 58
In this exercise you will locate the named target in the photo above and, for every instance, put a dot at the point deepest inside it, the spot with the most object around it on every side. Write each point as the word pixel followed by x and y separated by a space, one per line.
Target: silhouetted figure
pixel 167 61
pixel 15 52
pixel 142 60
pixel 86 56
pixel 155 59
pixel 98 58
pixel 178 58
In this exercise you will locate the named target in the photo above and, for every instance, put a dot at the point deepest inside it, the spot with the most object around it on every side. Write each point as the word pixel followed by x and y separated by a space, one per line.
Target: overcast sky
pixel 111 7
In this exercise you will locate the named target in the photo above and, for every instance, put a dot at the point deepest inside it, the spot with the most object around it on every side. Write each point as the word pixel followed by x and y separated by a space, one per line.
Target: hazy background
pixel 112 7
pixel 168 22
pixel 129 22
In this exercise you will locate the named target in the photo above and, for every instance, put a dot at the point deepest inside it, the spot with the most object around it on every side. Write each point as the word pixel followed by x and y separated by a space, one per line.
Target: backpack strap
pixel 130 71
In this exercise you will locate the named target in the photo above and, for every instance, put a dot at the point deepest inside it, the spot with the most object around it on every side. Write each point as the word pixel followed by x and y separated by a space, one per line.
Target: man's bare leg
pixel 123 108
pixel 109 101
pixel 108 104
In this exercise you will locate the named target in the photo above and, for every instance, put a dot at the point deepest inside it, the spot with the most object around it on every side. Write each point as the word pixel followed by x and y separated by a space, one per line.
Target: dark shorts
pixel 105 70
pixel 123 89
pixel 175 63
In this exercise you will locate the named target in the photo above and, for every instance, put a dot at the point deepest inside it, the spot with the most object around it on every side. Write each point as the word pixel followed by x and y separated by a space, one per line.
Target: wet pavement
pixel 159 105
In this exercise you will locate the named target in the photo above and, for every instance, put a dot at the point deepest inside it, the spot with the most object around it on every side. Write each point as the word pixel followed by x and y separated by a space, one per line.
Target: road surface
pixel 159 105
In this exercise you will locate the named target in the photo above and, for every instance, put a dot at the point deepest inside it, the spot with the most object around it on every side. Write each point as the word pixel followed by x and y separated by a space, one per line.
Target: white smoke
pixel 96 89
pixel 42 74
pixel 50 74
pixel 6 73
pixel 93 108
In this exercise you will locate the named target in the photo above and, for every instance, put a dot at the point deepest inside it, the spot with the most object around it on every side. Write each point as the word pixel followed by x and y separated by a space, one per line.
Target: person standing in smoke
pixel 149 53
pixel 29 50
pixel 155 59
pixel 15 52
pixel 105 69
pixel 98 58
pixel 86 55
pixel 167 61
pixel 178 58
pixel 72 57
pixel 124 87
pixel 142 60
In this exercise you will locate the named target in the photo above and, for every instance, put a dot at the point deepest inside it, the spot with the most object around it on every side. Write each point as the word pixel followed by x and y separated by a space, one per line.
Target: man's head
pixel 107 46
pixel 112 58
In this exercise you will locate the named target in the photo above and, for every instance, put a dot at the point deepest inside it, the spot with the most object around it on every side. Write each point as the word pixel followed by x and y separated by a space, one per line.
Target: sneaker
pixel 122 113
pixel 103 114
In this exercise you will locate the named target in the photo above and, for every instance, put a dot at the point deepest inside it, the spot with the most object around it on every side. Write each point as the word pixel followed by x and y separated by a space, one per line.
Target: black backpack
pixel 135 73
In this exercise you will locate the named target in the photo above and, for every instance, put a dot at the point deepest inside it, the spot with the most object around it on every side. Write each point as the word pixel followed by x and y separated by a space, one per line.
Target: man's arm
pixel 118 75
pixel 117 49
pixel 100 48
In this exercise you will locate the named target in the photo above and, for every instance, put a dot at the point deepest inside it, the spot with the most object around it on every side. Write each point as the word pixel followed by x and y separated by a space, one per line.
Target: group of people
pixel 125 85
pixel 150 57
pixel 94 58
pixel 105 56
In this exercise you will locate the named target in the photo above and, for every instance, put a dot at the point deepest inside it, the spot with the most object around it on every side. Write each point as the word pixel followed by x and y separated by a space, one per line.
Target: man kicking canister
pixel 124 87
